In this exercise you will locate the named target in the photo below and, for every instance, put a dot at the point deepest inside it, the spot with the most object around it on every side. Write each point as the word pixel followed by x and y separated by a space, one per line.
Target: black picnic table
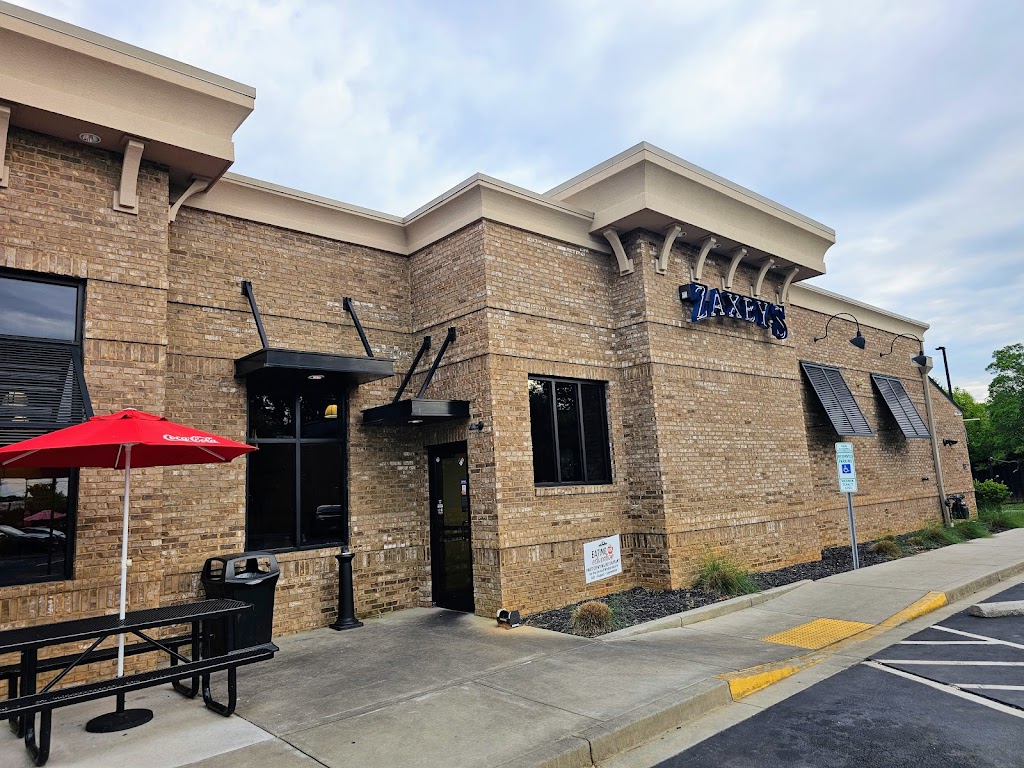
pixel 23 699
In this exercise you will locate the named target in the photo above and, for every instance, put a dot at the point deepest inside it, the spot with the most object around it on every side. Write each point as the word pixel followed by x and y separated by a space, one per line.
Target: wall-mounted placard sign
pixel 602 558
pixel 714 302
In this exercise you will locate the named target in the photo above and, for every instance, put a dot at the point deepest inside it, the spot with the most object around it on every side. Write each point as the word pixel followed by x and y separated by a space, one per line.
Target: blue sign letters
pixel 712 302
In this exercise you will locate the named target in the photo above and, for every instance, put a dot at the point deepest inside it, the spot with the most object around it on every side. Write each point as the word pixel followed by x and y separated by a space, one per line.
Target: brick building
pixel 636 353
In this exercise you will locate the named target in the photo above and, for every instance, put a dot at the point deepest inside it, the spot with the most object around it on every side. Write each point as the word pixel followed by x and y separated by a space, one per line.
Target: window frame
pixel 296 387
pixel 605 432
pixel 75 347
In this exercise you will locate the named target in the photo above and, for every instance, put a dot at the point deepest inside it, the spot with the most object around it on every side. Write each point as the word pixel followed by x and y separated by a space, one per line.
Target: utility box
pixel 249 577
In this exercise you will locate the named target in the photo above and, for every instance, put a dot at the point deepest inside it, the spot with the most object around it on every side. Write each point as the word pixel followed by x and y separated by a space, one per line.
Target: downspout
pixel 943 509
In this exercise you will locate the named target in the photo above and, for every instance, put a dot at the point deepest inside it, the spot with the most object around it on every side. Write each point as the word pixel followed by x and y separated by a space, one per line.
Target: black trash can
pixel 250 577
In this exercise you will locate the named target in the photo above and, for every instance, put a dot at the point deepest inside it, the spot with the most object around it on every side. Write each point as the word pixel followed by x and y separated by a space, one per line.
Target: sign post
pixel 847 471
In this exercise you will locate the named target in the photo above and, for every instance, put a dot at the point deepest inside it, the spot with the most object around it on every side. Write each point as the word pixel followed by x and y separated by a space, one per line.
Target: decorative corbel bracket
pixel 625 263
pixel 126 197
pixel 666 248
pixel 199 184
pixel 765 266
pixel 5 122
pixel 706 245
pixel 737 256
pixel 784 291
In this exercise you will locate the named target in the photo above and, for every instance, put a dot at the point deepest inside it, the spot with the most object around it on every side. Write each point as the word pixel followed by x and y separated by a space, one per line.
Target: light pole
pixel 945 364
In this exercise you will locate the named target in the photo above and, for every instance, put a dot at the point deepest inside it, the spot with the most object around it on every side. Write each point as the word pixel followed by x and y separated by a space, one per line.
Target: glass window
pixel 42 388
pixel 569 428
pixel 39 310
pixel 296 480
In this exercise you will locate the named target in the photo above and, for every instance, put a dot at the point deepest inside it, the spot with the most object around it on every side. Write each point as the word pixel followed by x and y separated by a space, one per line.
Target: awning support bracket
pixel 765 266
pixel 408 375
pixel 351 309
pixel 706 245
pixel 666 248
pixel 625 263
pixel 199 184
pixel 448 339
pixel 126 196
pixel 784 291
pixel 248 293
pixel 5 122
pixel 737 256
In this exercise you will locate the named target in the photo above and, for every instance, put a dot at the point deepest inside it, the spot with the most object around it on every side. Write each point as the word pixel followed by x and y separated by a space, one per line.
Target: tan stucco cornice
pixel 261 201
pixel 828 303
pixel 479 197
pixel 62 81
pixel 646 187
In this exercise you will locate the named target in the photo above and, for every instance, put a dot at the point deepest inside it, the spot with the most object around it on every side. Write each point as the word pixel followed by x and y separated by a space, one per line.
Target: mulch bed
pixel 638 605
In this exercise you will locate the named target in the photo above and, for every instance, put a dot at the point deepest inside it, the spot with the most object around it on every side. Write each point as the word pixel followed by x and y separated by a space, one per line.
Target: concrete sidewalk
pixel 437 688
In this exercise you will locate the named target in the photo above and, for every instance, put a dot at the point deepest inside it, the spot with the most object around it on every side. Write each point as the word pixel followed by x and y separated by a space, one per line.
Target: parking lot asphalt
pixel 948 696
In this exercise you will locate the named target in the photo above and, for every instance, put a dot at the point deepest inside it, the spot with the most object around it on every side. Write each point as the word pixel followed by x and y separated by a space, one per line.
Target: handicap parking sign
pixel 847 469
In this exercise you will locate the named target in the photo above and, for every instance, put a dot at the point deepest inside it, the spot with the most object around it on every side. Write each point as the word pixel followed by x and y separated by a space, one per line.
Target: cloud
pixel 898 124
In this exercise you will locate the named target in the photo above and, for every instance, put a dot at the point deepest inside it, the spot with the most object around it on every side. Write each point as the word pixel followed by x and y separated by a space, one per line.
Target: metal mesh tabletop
pixel 43 635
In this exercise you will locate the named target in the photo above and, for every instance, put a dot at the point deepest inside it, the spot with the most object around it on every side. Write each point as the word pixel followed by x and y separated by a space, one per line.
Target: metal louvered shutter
pixel 41 389
pixel 837 400
pixel 901 406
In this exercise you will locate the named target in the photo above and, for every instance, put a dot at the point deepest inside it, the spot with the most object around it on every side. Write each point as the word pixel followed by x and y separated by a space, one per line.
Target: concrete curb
pixel 703 613
pixel 622 733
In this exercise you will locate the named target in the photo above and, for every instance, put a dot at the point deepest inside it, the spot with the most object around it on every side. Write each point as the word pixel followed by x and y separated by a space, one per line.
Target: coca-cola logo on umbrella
pixel 190 439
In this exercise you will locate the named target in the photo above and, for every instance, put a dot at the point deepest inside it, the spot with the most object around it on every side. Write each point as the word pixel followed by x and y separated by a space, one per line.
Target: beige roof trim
pixel 479 197
pixel 828 303
pixel 653 189
pixel 63 81
pixel 260 201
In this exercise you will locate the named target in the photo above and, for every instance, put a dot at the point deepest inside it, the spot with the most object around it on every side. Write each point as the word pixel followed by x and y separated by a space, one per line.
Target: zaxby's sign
pixel 713 302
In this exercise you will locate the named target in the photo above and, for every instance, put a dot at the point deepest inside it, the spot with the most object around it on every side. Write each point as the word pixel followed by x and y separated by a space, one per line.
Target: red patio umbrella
pixel 123 440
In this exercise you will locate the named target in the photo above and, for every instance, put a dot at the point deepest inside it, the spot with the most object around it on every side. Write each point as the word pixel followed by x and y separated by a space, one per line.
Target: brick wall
pixel 717 442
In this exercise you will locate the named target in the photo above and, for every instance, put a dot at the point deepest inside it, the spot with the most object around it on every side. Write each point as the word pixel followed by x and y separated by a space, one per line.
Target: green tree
pixel 980 441
pixel 1006 400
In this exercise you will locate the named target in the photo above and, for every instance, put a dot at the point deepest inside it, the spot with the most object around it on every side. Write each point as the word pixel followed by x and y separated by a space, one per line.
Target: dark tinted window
pixel 39 310
pixel 296 478
pixel 542 429
pixel 36 512
pixel 568 425
pixel 42 388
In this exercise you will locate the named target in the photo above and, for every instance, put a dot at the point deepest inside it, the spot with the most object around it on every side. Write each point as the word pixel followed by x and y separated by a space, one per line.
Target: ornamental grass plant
pixel 591 618
pixel 720 574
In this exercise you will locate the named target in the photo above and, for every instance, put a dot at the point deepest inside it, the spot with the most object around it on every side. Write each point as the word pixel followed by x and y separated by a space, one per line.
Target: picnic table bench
pixel 24 702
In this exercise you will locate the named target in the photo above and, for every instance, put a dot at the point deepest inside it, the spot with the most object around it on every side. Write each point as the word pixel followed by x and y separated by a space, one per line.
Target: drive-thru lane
pixel 951 695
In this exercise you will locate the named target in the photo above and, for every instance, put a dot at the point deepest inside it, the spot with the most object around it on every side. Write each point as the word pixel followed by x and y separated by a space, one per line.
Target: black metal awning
pixel 837 400
pixel 900 405
pixel 357 369
pixel 416 410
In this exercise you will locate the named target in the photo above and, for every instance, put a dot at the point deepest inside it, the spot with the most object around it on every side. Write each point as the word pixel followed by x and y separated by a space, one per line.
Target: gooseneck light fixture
pixel 920 358
pixel 858 341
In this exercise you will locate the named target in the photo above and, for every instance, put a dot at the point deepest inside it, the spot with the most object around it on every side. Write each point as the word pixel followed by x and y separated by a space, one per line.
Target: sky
pixel 898 124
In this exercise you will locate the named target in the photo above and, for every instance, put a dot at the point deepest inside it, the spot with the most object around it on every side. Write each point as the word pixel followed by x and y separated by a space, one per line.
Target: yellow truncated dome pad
pixel 818 633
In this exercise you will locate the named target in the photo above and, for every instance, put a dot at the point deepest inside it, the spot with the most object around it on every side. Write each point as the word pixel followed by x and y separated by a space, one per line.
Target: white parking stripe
pixel 974 686
pixel 944 642
pixel 948 689
pixel 993 640
pixel 929 662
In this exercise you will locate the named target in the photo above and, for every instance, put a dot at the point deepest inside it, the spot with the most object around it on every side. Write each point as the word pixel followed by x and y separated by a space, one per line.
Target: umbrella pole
pixel 122 719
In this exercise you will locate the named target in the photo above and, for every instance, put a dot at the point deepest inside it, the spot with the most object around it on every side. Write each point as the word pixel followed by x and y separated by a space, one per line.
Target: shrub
pixel 997 520
pixel 990 494
pixel 972 529
pixel 591 618
pixel 917 541
pixel 886 548
pixel 720 574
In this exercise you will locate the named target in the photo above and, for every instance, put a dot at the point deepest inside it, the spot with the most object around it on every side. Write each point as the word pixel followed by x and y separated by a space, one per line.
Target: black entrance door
pixel 450 545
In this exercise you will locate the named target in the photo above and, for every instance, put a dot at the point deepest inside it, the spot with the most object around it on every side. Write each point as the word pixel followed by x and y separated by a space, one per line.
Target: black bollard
pixel 346 604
